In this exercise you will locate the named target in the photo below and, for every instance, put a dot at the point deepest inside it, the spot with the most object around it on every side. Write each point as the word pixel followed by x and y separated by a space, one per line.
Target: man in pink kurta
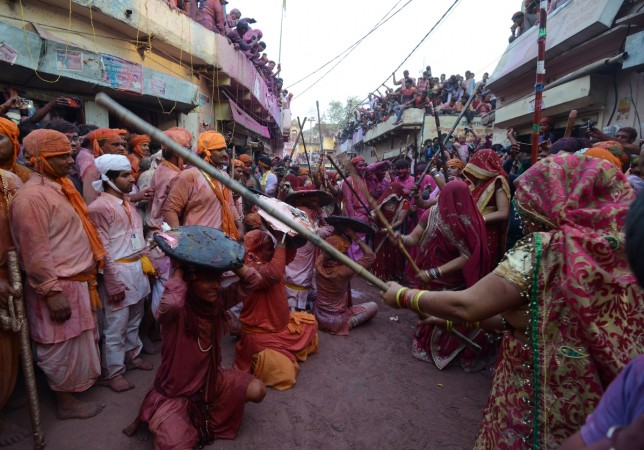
pixel 165 172
pixel 194 198
pixel 59 255
pixel 87 173
pixel 376 177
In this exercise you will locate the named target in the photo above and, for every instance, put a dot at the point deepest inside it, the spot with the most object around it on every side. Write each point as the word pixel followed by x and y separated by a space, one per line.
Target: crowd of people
pixel 213 15
pixel 508 264
pixel 447 95
pixel 528 16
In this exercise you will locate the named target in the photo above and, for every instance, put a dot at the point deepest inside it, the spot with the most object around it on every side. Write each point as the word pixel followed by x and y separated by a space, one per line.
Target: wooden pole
pixel 308 162
pixel 540 75
pixel 25 352
pixel 290 158
pixel 142 126
pixel 441 146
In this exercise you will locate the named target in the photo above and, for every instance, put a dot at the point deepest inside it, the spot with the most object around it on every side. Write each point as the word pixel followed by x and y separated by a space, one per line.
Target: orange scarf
pixel 10 129
pixel 223 195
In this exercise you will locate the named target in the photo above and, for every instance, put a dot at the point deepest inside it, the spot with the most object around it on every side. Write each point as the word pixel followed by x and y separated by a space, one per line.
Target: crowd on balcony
pixel 528 16
pixel 445 95
pixel 212 15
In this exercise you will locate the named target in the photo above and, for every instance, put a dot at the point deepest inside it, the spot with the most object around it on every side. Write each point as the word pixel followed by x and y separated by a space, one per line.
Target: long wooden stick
pixel 308 162
pixel 139 124
pixel 25 352
pixel 385 222
pixel 571 121
pixel 290 158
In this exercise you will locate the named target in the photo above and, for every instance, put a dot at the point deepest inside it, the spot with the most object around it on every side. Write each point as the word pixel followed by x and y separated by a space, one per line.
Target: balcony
pixel 412 119
pixel 176 61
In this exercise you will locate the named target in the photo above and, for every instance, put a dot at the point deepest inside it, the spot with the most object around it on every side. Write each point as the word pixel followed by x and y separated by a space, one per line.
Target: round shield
pixel 341 222
pixel 205 247
pixel 296 214
pixel 304 198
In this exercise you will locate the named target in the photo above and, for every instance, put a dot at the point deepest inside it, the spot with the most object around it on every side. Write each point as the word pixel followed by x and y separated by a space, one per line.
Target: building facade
pixel 156 61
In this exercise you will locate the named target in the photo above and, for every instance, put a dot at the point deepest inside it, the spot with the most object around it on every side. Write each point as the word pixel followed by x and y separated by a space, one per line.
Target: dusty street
pixel 364 391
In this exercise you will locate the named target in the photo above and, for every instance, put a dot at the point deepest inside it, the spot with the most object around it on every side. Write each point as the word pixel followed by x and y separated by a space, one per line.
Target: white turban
pixel 104 164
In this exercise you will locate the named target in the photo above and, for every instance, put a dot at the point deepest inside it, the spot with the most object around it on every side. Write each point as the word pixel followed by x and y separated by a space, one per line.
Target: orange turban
pixel 42 144
pixel 238 163
pixel 605 155
pixel 179 135
pixel 357 159
pixel 11 130
pixel 245 158
pixel 137 141
pixel 99 135
pixel 340 243
pixel 210 140
pixel 455 162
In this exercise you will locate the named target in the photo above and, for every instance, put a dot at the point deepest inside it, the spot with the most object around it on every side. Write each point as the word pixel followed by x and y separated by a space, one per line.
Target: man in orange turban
pixel 60 250
pixel 106 141
pixel 140 148
pixel 195 198
pixel 455 169
pixel 10 148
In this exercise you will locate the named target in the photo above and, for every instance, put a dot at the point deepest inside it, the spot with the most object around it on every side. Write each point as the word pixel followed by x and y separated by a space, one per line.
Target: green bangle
pixel 449 326
pixel 400 291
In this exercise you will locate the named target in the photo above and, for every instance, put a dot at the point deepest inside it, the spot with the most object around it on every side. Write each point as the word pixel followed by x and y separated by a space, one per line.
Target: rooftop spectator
pixel 210 14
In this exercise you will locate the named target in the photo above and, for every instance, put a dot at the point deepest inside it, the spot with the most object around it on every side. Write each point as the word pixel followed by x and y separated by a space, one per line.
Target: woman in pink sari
pixel 489 185
pixel 452 255
pixel 568 302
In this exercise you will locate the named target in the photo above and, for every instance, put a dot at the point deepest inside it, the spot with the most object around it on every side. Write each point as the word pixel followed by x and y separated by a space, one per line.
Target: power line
pixel 352 47
pixel 419 44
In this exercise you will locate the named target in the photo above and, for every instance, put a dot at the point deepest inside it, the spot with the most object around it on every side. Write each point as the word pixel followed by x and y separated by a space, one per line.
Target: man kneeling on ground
pixel 194 400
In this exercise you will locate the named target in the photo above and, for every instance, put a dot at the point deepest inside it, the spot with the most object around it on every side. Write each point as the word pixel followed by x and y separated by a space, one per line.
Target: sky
pixel 473 36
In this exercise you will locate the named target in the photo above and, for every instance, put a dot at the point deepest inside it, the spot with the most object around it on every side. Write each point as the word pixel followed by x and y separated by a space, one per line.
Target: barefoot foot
pixel 139 363
pixel 11 434
pixel 118 384
pixel 69 407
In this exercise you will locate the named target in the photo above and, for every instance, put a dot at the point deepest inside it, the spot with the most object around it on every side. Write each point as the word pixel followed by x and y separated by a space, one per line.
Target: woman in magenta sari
pixel 489 185
pixel 569 304
pixel 452 255
pixel 395 207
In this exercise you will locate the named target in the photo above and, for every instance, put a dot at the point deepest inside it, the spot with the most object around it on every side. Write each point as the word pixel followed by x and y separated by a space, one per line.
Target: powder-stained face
pixel 124 181
pixel 6 148
pixel 204 286
pixel 62 164
pixel 113 146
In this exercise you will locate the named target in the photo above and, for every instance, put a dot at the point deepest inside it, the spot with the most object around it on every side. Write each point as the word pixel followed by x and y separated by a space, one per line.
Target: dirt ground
pixel 364 391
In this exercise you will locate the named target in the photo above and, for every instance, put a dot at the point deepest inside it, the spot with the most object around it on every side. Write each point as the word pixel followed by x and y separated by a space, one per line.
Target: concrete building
pixel 156 61
pixel 594 60
pixel 387 139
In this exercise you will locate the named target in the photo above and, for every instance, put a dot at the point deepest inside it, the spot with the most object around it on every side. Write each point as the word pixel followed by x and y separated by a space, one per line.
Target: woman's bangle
pixel 414 303
pixel 400 291
pixel 434 273
pixel 449 326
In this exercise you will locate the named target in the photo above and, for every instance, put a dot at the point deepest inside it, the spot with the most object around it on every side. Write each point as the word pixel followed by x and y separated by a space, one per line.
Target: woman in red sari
pixel 273 339
pixel 394 206
pixel 452 255
pixel 489 185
